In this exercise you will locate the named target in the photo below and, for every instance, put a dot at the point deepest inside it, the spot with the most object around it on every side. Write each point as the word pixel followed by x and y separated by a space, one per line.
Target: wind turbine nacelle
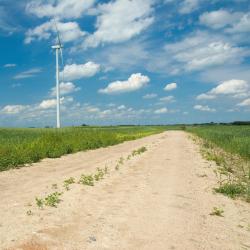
pixel 57 46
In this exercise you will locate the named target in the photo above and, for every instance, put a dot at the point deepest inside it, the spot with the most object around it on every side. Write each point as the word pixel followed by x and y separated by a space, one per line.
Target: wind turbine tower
pixel 58 48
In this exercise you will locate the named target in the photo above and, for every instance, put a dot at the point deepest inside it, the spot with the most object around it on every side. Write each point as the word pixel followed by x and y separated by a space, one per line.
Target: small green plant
pixel 68 182
pixel 39 202
pixel 121 161
pixel 202 175
pixel 86 180
pixel 53 199
pixel 106 170
pixel 100 174
pixel 54 186
pixel 217 211
pixel 128 158
pixel 117 167
pixel 29 213
pixel 139 151
pixel 231 189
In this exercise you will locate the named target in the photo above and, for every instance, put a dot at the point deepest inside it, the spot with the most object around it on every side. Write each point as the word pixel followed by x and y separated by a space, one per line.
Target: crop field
pixel 233 139
pixel 229 148
pixel 24 146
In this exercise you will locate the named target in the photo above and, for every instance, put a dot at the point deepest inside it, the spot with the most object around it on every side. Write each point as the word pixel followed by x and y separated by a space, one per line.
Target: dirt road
pixel 158 200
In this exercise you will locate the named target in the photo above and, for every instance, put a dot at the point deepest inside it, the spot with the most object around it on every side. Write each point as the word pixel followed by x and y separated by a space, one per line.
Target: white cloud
pixel 59 8
pixel 78 71
pixel 47 104
pixel 120 20
pixel 135 82
pixel 241 26
pixel 69 32
pixel 204 108
pixel 205 97
pixel 13 109
pixel 161 111
pixel 65 88
pixel 233 86
pixel 28 73
pixel 170 86
pixel 187 6
pixel 7 24
pixel 121 107
pixel 244 103
pixel 51 103
pixel 219 18
pixel 202 50
pixel 150 96
pixel 91 109
pixel 9 65
pixel 167 99
pixel 233 22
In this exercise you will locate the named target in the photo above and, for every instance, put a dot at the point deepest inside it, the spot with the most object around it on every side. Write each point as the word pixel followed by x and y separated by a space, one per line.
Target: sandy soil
pixel 161 199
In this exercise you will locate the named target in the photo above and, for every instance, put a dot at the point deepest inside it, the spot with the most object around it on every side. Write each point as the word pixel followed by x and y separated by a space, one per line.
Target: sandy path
pixel 156 201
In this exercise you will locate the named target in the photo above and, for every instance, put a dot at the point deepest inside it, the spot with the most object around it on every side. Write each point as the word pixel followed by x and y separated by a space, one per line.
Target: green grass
pixel 229 148
pixel 233 139
pixel 231 189
pixel 24 146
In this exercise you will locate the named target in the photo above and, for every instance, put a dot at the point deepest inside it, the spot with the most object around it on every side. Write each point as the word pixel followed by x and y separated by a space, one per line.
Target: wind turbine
pixel 58 48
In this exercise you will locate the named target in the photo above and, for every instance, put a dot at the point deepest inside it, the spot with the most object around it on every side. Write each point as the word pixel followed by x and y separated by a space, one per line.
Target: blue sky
pixel 125 61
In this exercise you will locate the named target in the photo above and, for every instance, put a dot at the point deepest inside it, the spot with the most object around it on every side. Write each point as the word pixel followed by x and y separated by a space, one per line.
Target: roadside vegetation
pixel 53 199
pixel 25 146
pixel 233 139
pixel 229 148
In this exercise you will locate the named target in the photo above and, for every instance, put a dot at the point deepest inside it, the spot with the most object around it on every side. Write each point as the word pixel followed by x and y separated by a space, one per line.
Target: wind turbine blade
pixel 58 34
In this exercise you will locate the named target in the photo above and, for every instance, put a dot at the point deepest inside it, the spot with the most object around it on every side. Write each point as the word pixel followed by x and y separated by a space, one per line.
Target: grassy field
pixel 22 146
pixel 233 139
pixel 229 147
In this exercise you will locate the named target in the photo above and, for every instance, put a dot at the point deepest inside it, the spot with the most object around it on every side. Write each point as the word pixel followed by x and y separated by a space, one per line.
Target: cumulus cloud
pixel 78 71
pixel 205 97
pixel 167 99
pixel 244 103
pixel 241 26
pixel 161 111
pixel 187 6
pixel 135 82
pixel 233 22
pixel 51 103
pixel 204 108
pixel 121 107
pixel 202 50
pixel 28 73
pixel 120 20
pixel 12 109
pixel 47 104
pixel 219 18
pixel 69 31
pixel 59 8
pixel 150 96
pixel 65 88
pixel 235 88
pixel 170 86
